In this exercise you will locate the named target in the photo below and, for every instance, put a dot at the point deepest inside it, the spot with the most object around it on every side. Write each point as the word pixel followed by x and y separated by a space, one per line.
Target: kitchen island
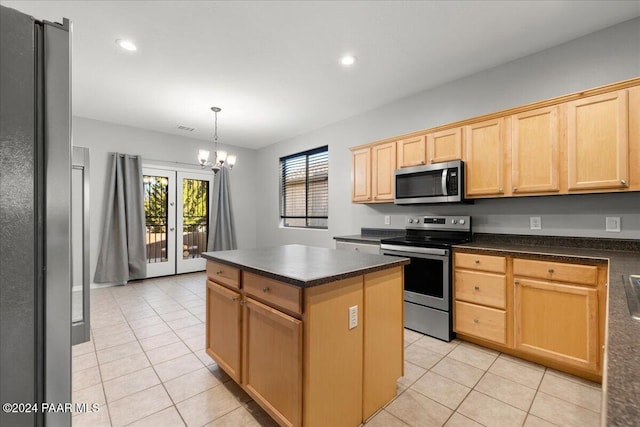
pixel 313 335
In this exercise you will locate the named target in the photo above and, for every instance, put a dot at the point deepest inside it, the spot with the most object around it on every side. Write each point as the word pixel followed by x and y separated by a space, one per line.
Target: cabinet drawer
pixel 273 292
pixel 224 274
pixel 481 322
pixel 480 288
pixel 358 247
pixel 497 264
pixel 562 272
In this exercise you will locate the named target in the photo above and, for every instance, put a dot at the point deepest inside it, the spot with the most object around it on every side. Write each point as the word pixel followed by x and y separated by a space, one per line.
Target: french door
pixel 177 206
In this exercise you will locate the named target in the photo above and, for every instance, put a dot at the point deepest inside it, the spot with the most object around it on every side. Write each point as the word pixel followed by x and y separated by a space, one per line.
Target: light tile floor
pixel 146 366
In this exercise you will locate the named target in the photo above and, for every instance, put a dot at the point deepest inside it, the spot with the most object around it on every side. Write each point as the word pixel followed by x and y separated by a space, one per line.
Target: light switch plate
pixel 353 317
pixel 613 224
pixel 387 219
pixel 535 223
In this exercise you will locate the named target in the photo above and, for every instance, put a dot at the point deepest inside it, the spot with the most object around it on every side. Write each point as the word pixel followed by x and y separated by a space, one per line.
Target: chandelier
pixel 219 157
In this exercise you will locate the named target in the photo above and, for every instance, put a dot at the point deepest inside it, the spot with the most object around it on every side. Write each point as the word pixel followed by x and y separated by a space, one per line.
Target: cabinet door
pixel 444 145
pixel 597 137
pixel 224 328
pixel 557 321
pixel 383 165
pixel 484 144
pixel 411 152
pixel 361 175
pixel 272 361
pixel 534 151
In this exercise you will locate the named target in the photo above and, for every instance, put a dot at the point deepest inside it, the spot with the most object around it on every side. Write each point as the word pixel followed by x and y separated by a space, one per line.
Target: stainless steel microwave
pixel 434 183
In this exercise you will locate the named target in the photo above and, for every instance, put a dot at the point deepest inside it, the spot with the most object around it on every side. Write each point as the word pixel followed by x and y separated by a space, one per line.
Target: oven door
pixel 427 277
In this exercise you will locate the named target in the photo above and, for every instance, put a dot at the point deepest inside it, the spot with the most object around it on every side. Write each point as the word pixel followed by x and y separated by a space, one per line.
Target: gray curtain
pixel 123 251
pixel 222 233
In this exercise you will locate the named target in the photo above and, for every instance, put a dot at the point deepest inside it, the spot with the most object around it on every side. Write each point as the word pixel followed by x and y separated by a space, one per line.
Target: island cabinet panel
pixel 272 361
pixel 383 338
pixel 444 145
pixel 224 316
pixel 333 355
pixel 597 133
pixel 557 321
pixel 411 152
pixel 361 175
pixel 535 151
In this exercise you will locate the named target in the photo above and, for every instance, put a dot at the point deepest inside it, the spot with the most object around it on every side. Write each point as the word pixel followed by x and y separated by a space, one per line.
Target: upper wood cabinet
pixel 361 175
pixel 597 136
pixel 535 162
pixel 383 164
pixel 484 151
pixel 411 152
pixel 444 145
pixel 634 138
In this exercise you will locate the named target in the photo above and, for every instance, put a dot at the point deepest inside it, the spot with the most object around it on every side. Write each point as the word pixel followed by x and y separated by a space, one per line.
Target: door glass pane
pixel 195 213
pixel 77 244
pixel 156 197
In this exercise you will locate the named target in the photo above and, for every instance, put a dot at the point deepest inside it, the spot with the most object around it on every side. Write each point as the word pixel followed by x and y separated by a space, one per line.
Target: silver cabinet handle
pixel 551 270
pixel 476 321
pixel 422 162
pixel 515 189
pixel 477 261
pixel 243 302
pixel 234 299
pixel 623 182
pixel 477 288
pixel 430 160
pixel 500 189
pixel 516 282
pixel 265 289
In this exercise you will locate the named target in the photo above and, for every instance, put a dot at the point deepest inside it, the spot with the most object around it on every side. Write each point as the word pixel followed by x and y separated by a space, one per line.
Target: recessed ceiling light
pixel 126 45
pixel 348 60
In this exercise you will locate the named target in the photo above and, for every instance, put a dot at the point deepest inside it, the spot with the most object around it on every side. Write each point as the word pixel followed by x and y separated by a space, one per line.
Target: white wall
pixel 105 138
pixel 607 56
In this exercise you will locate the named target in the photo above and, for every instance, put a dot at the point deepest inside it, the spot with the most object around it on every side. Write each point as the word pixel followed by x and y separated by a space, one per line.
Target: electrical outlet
pixel 535 223
pixel 613 224
pixel 353 317
pixel 387 219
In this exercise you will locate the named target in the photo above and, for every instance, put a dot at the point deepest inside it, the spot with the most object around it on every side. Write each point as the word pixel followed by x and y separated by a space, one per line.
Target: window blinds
pixel 304 189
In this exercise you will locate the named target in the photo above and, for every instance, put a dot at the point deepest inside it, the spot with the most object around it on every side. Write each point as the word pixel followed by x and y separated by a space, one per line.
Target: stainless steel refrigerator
pixel 35 201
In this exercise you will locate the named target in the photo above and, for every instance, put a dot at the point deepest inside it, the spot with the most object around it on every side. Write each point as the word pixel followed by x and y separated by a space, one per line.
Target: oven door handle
pixel 406 251
pixel 445 173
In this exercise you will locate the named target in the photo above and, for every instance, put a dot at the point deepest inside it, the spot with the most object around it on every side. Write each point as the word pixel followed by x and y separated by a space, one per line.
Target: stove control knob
pixel 462 221
pixel 410 220
pixel 454 221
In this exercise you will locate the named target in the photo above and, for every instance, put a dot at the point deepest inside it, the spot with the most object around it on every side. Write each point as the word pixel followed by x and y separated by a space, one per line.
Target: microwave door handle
pixel 445 173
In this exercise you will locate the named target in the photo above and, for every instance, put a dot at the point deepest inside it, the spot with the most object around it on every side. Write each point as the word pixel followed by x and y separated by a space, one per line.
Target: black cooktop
pixel 419 238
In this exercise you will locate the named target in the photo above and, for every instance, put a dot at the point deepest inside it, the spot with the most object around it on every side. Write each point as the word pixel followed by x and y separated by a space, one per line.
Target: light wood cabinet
pixel 383 164
pixel 444 145
pixel 411 152
pixel 634 138
pixel 272 361
pixel 597 142
pixel 484 153
pixel 557 321
pixel 364 248
pixel 361 175
pixel 224 317
pixel 535 151
pixel 547 311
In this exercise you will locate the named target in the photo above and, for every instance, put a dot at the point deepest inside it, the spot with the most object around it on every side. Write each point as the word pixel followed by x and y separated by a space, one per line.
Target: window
pixel 304 189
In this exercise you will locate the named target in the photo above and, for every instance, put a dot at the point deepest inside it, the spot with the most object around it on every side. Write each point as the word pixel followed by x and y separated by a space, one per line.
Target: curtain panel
pixel 123 250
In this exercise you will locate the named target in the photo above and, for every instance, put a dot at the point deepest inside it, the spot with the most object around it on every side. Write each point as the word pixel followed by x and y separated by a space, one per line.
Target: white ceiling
pixel 273 66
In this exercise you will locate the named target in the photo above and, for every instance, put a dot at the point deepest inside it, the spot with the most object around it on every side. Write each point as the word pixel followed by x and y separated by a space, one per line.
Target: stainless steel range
pixel 427 280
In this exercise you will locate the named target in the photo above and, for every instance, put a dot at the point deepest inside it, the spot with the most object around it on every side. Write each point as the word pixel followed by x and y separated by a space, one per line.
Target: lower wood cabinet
pixel 550 312
pixel 223 338
pixel 272 361
pixel 558 321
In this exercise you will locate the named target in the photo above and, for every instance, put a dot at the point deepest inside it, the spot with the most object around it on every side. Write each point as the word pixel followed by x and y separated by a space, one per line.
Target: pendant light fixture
pixel 220 157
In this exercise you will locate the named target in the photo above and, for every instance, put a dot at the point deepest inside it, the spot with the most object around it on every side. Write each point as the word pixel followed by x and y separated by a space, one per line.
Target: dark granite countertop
pixel 371 235
pixel 621 379
pixel 304 266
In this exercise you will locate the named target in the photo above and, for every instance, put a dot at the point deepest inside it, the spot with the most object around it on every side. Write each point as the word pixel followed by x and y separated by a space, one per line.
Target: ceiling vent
pixel 186 128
